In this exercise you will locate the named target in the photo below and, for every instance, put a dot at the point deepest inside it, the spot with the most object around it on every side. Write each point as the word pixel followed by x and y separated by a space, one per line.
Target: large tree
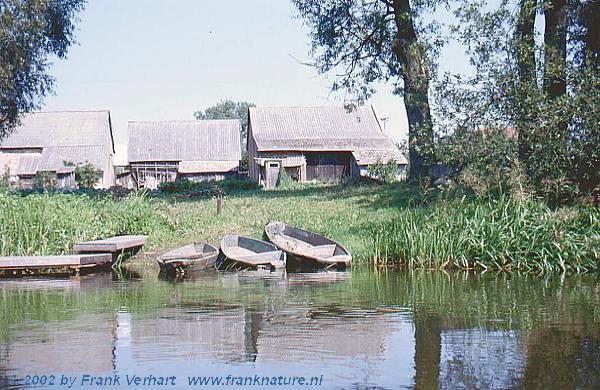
pixel 546 84
pixel 366 42
pixel 30 32
pixel 228 109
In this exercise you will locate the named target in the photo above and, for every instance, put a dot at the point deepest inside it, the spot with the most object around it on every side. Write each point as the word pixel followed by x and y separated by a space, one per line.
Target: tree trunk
pixel 555 49
pixel 415 74
pixel 526 84
pixel 555 63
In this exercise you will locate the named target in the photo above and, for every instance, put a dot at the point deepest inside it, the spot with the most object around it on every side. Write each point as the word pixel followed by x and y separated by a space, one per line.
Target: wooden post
pixel 219 203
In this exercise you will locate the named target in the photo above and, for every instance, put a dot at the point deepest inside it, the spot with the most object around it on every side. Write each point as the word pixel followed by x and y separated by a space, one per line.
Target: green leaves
pixel 30 32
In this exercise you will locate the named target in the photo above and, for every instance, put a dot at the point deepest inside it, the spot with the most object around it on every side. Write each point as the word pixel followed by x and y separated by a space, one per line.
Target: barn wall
pixel 253 167
pixel 328 166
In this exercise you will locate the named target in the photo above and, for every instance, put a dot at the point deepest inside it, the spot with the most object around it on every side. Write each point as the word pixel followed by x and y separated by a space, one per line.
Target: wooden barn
pixel 197 150
pixel 53 143
pixel 316 143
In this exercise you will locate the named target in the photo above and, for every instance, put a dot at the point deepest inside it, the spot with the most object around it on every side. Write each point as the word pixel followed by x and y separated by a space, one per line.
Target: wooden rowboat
pixel 193 257
pixel 306 249
pixel 245 252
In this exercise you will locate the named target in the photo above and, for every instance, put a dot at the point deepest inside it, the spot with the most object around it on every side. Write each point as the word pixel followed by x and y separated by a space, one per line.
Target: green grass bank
pixel 395 224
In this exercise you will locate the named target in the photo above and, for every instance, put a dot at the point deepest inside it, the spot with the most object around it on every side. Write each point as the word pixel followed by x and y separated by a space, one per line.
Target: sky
pixel 164 60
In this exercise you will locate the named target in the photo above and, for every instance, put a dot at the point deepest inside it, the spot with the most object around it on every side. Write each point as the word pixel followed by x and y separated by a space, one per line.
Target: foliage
pixel 228 109
pixel 487 161
pixel 51 223
pixel 548 92
pixel 30 32
pixel 284 181
pixel 386 172
pixel 179 186
pixel 87 175
pixel 365 42
pixel 498 234
pixel 44 180
pixel 228 185
pixel 399 224
pixel 234 185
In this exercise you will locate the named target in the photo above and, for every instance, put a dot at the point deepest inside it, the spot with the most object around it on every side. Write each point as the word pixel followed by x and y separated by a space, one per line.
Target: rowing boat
pixel 246 252
pixel 306 249
pixel 189 258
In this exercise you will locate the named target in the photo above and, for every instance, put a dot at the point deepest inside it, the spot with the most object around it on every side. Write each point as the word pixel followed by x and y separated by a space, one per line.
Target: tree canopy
pixel 228 109
pixel 30 32
pixel 366 42
pixel 546 86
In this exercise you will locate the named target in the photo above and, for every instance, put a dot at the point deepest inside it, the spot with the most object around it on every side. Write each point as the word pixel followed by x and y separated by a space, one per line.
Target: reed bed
pixel 386 225
pixel 502 234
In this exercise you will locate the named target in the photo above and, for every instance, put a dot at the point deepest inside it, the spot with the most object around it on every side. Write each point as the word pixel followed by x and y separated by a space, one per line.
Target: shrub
pixel 385 172
pixel 177 187
pixel 285 181
pixel 87 175
pixel 45 180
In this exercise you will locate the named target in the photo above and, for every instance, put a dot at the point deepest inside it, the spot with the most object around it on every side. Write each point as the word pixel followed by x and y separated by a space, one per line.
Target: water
pixel 359 330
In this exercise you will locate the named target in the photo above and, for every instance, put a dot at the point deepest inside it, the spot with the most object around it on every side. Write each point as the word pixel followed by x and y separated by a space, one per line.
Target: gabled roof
pixel 62 128
pixel 317 129
pixel 196 140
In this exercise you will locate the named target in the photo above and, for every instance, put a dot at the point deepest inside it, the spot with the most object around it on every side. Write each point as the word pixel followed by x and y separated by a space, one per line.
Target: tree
pixel 87 175
pixel 379 40
pixel 31 31
pixel 228 109
pixel 548 91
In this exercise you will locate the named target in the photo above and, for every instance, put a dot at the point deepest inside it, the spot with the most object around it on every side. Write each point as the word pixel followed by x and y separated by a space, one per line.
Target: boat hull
pixel 239 252
pixel 306 249
pixel 190 258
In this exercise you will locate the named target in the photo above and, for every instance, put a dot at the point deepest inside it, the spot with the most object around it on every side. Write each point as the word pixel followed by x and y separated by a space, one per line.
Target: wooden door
pixel 272 174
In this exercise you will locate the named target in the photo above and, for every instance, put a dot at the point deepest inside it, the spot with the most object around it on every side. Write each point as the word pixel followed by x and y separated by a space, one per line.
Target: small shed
pixel 324 143
pixel 197 150
pixel 54 143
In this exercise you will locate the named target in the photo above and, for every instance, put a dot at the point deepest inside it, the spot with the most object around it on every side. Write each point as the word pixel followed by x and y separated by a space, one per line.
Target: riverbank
pixel 397 225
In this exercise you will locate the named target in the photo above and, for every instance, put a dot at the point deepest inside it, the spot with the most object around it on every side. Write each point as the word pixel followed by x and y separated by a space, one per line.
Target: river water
pixel 353 330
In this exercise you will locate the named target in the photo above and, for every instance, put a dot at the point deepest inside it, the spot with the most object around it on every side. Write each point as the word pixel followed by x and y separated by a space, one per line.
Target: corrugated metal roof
pixel 61 128
pixel 368 157
pixel 28 164
pixel 317 128
pixel 54 158
pixel 208 166
pixel 198 140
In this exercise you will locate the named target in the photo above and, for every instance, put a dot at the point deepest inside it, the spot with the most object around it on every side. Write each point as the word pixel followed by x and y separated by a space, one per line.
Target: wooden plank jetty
pixel 111 245
pixel 74 262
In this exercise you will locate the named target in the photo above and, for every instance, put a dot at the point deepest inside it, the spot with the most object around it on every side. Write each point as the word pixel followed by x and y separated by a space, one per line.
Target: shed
pixel 197 150
pixel 324 143
pixel 55 142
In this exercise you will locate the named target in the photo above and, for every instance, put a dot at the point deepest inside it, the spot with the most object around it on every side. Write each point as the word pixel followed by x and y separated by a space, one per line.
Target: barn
pixel 197 150
pixel 54 143
pixel 326 143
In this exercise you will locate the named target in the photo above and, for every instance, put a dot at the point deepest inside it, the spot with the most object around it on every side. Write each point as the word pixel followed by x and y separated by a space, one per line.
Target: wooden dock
pixel 72 262
pixel 110 245
pixel 119 245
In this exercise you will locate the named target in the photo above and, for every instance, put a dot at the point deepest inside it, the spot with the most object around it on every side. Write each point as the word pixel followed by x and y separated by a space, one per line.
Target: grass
pixel 394 224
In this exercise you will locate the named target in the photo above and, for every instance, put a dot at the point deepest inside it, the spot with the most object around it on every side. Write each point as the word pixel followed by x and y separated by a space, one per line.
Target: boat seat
pixel 261 258
pixel 322 250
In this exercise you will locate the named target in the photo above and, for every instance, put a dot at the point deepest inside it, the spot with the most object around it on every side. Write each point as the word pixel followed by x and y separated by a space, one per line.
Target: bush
pixel 45 180
pixel 178 187
pixel 87 175
pixel 385 172
pixel 244 184
pixel 285 181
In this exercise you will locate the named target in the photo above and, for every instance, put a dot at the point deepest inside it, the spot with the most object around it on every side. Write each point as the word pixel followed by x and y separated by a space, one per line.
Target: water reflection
pixel 358 330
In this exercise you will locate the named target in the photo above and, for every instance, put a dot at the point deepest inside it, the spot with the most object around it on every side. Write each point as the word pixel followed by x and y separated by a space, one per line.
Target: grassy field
pixel 392 225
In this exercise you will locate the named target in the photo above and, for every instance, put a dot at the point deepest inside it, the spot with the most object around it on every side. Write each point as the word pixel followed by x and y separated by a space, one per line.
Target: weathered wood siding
pixel 327 166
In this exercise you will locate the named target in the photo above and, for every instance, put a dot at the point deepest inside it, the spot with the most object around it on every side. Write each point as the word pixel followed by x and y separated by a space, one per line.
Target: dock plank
pixel 112 245
pixel 57 261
